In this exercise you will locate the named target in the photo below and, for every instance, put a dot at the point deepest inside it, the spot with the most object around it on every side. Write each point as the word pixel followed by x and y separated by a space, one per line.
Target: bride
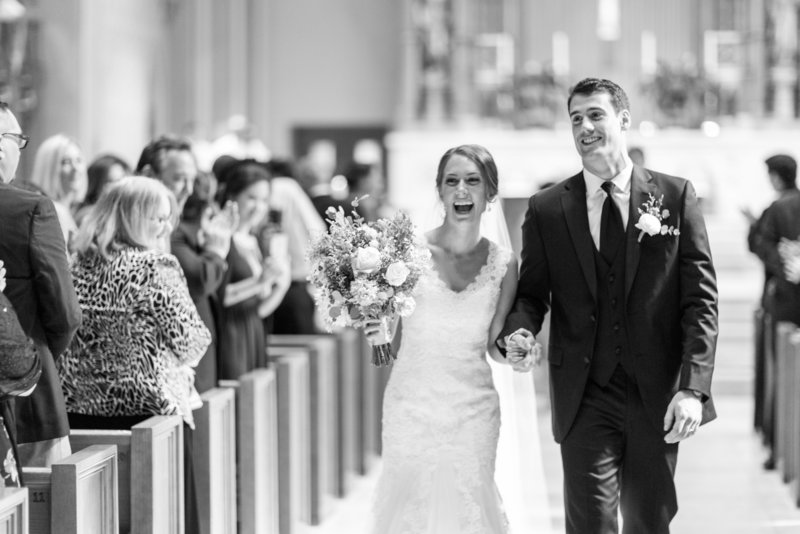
pixel 441 412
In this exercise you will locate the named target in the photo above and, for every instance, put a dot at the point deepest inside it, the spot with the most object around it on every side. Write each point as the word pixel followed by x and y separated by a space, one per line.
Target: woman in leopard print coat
pixel 133 354
pixel 141 336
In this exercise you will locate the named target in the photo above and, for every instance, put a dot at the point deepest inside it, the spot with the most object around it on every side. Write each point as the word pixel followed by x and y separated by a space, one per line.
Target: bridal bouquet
pixel 366 271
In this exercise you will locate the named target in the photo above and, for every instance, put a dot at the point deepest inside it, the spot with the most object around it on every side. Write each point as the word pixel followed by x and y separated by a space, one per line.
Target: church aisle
pixel 722 488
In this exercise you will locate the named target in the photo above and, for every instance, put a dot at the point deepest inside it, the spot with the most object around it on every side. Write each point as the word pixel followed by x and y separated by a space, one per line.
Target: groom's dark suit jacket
pixel 670 288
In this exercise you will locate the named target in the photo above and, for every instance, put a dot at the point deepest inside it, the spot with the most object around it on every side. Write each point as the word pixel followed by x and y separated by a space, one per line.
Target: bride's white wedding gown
pixel 441 414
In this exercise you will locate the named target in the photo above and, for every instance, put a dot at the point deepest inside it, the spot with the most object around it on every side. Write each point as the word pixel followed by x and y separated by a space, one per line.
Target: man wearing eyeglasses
pixel 40 287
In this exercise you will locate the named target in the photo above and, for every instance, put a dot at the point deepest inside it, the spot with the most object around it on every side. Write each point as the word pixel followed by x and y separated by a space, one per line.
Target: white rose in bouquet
pixel 367 260
pixel 404 305
pixel 397 273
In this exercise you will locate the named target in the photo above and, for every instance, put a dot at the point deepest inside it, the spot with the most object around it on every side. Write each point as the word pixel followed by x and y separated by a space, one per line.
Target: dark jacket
pixel 39 286
pixel 670 291
pixel 205 274
pixel 780 221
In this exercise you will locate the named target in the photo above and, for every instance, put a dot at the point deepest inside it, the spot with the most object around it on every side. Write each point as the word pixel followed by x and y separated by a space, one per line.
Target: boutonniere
pixel 651 218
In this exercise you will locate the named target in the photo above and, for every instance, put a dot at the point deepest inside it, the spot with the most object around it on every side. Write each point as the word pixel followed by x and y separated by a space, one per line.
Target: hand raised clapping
pixel 523 351
pixel 217 230
pixel 2 276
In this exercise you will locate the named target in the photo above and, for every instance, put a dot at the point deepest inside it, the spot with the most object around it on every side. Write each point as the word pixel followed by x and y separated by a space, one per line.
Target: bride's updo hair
pixel 484 161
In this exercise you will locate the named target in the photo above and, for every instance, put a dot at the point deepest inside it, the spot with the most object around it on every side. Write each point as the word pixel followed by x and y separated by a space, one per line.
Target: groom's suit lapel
pixel 641 187
pixel 573 202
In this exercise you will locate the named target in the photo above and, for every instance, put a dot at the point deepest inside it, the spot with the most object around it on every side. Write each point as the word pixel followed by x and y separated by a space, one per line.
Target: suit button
pixel 593 318
pixel 616 327
pixel 613 302
pixel 611 278
pixel 618 351
pixel 586 361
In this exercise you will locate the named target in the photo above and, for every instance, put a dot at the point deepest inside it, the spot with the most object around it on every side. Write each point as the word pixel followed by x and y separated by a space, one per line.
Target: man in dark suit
pixel 633 332
pixel 763 239
pixel 40 288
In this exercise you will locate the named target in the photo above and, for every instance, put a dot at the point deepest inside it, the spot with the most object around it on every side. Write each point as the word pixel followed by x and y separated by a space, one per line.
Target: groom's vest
pixel 611 342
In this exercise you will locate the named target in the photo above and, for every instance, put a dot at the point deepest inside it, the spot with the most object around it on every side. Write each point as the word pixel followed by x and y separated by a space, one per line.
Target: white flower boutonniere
pixel 651 218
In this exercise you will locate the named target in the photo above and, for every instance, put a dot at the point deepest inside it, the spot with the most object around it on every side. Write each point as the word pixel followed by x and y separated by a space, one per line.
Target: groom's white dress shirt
pixel 595 196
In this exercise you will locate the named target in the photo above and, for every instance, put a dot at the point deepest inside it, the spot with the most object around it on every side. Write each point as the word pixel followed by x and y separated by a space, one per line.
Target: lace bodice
pixel 441 413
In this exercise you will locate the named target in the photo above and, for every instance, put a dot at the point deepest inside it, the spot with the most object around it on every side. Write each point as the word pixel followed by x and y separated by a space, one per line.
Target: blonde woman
pixel 141 335
pixel 59 171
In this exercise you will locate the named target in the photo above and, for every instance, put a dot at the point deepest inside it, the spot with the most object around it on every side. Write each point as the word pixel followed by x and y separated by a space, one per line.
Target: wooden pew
pixel 759 379
pixel 77 495
pixel 214 440
pixel 257 450
pixel 793 443
pixel 14 512
pixel 291 366
pixel 785 390
pixel 350 377
pixel 150 459
pixel 325 417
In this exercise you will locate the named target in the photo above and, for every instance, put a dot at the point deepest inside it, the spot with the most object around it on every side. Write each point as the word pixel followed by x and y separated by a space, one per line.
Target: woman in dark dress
pixel 254 285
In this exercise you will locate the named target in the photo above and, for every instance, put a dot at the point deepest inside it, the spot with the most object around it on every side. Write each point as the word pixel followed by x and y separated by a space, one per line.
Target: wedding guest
pixel 20 369
pixel 782 174
pixel 134 354
pixel 636 154
pixel 315 172
pixel 298 223
pixel 59 171
pixel 633 320
pixel 40 289
pixel 102 172
pixel 201 251
pixel 170 159
pixel 201 240
pixel 254 285
pixel 365 182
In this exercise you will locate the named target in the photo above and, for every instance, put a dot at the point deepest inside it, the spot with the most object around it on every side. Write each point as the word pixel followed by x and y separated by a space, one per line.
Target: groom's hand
pixel 684 413
pixel 522 350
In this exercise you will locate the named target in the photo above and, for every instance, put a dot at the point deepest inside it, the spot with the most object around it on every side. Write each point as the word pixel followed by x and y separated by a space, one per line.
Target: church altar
pixel 725 164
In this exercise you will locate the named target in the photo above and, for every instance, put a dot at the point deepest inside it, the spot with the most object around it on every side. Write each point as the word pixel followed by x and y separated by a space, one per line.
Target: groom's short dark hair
pixel 589 86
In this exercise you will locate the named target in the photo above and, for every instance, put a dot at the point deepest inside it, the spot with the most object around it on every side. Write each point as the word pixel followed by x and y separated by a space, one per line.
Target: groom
pixel 633 322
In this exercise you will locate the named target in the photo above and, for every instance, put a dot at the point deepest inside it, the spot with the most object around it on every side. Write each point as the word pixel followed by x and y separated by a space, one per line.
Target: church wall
pixel 339 66
pixel 97 73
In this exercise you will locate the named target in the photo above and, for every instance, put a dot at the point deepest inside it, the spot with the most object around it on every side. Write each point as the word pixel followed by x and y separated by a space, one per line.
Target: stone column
pixel 433 26
pixel 784 67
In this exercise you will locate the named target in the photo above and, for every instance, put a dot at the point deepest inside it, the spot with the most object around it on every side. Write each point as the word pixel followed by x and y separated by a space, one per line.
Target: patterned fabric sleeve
pixel 181 326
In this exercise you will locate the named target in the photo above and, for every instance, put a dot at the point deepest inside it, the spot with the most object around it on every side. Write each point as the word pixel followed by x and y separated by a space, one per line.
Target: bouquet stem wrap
pixel 382 354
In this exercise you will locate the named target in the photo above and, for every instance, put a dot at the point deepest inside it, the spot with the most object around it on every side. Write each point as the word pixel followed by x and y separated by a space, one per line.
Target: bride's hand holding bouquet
pixel 365 274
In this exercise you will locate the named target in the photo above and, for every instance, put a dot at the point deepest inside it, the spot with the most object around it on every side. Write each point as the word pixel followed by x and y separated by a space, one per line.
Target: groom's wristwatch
pixel 696 393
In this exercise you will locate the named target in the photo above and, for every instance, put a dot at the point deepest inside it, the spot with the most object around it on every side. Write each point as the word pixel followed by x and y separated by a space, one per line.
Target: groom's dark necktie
pixel 611 230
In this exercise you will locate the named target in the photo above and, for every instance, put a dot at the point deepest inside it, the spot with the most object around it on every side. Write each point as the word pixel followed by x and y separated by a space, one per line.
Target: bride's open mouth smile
pixel 463 206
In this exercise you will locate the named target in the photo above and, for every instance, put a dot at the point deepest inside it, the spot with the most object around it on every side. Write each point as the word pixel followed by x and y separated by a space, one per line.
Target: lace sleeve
pixel 498 264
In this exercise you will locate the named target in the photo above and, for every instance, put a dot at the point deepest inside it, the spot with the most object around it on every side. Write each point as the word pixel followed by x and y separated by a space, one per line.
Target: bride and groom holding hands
pixel 619 256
